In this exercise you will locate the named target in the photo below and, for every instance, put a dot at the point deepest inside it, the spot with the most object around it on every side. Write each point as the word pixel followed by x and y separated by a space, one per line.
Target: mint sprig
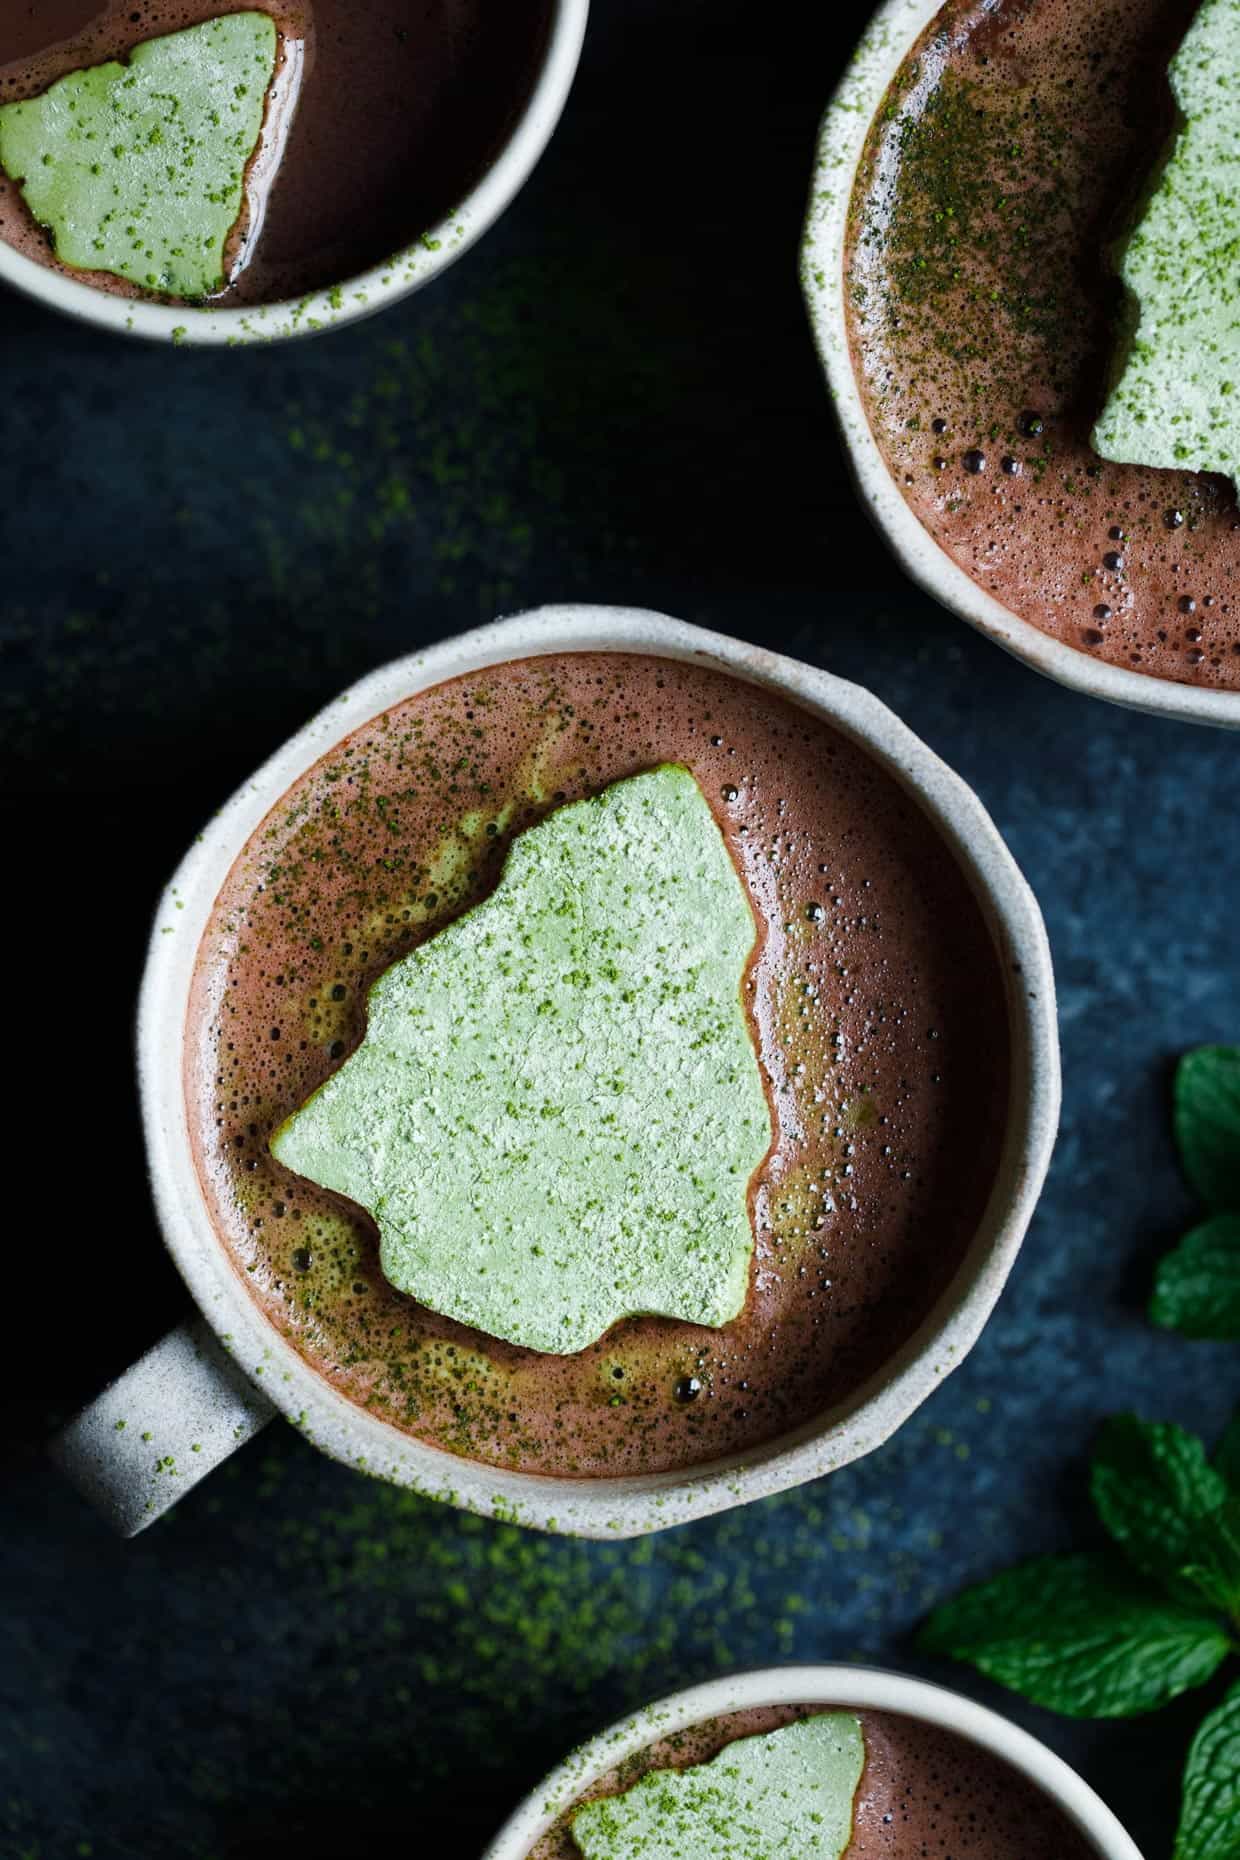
pixel 1207 1123
pixel 1110 1634
pixel 1117 1632
pixel 1215 1574
pixel 1080 1635
pixel 1210 1810
pixel 1154 1488
pixel 1197 1287
pixel 1227 1455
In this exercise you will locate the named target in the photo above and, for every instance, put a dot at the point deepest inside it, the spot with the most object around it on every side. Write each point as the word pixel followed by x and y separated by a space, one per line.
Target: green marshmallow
pixel 139 168
pixel 557 1108
pixel 787 1795
pixel 1175 402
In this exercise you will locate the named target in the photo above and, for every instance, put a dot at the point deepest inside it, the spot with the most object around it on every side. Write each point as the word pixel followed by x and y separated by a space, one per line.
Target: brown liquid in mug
pixel 925 1794
pixel 982 309
pixel 394 109
pixel 877 1002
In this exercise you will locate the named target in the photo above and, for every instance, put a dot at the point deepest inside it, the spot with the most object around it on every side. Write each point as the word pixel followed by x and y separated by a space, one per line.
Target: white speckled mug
pixel 352 298
pixel 212 1384
pixel 858 1688
pixel 894 29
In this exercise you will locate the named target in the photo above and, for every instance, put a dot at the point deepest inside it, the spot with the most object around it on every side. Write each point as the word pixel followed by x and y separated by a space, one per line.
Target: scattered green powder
pixel 478 460
pixel 353 1620
pixel 964 232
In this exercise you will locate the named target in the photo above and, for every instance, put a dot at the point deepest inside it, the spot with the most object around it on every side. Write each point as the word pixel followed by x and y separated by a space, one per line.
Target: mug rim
pixel 861 1688
pixel 892 31
pixel 634 1504
pixel 350 300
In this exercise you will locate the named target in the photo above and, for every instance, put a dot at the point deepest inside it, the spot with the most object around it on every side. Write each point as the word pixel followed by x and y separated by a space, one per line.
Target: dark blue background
pixel 613 399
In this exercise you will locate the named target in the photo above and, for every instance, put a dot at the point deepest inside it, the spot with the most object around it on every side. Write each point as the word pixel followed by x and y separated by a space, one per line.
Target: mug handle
pixel 160 1428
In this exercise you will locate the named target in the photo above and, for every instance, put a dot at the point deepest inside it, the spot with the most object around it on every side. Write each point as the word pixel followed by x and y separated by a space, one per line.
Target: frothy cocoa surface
pixel 1009 153
pixel 877 1000
pixel 925 1794
pixel 393 108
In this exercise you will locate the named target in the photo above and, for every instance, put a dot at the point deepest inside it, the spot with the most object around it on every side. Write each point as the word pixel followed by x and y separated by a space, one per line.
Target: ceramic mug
pixel 859 1688
pixel 893 31
pixel 352 299
pixel 210 1385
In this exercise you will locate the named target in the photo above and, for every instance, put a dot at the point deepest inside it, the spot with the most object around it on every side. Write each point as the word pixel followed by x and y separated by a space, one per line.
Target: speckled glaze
pixel 352 298
pixel 160 1428
pixel 893 30
pixel 852 1687
pixel 603 1507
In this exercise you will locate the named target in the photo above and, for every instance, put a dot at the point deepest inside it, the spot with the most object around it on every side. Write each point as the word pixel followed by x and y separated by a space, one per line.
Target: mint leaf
pixel 1207 1123
pixel 1080 1635
pixel 1227 1455
pixel 1210 1812
pixel 1197 1288
pixel 1172 1513
pixel 1153 1485
pixel 1214 1571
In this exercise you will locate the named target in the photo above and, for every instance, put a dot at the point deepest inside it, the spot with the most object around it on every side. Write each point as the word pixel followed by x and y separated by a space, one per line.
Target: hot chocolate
pixel 877 1003
pixel 1010 151
pixel 383 114
pixel 925 1794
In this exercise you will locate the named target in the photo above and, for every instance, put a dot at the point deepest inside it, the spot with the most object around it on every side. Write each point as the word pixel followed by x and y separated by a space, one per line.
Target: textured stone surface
pixel 613 398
